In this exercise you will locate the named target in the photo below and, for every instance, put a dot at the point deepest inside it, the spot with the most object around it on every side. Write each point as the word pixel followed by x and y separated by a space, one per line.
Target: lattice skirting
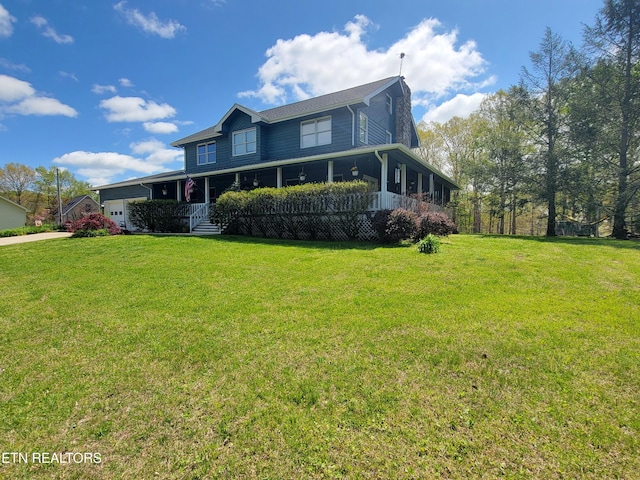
pixel 338 227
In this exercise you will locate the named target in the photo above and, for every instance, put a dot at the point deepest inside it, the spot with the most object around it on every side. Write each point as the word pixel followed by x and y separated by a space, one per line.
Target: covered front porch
pixel 393 171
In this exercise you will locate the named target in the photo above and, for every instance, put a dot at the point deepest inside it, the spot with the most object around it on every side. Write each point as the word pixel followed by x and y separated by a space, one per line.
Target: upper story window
pixel 244 142
pixel 389 104
pixel 315 132
pixel 363 134
pixel 207 153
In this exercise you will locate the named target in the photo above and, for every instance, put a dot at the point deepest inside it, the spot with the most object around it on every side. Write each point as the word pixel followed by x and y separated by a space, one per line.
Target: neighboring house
pixel 78 207
pixel 365 132
pixel 12 215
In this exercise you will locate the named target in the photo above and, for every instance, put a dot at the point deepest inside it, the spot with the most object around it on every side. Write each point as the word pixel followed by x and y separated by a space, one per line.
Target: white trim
pixel 315 122
pixel 363 116
pixel 245 143
pixel 206 153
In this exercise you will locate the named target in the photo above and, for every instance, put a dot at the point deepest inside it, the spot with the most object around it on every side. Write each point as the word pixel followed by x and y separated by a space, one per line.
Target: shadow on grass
pixel 579 241
pixel 311 244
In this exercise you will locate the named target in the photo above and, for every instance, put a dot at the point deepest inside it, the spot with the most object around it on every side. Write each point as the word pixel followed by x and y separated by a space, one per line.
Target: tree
pixel 506 146
pixel 47 190
pixel 615 39
pixel 543 93
pixel 15 180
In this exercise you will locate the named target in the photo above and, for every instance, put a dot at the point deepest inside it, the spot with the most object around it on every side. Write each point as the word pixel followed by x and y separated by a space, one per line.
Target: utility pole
pixel 59 198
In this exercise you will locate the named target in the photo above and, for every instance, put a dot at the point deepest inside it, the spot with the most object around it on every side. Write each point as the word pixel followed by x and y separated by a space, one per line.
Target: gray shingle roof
pixel 350 96
pixel 361 93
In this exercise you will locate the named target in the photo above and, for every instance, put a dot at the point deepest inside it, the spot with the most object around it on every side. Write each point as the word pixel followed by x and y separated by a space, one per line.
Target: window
pixel 389 104
pixel 244 142
pixel 315 132
pixel 364 128
pixel 389 137
pixel 207 153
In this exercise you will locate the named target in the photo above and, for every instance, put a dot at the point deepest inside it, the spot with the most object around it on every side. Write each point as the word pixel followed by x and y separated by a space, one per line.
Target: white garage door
pixel 117 211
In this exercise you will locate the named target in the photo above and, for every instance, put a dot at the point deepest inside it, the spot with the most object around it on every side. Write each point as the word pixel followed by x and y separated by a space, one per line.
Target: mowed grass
pixel 186 357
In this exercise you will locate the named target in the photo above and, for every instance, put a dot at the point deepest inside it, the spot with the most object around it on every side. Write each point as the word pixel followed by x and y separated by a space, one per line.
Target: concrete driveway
pixel 33 238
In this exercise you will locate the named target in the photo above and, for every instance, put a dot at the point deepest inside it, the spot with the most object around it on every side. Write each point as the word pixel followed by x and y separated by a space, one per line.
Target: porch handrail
pixel 391 201
pixel 199 212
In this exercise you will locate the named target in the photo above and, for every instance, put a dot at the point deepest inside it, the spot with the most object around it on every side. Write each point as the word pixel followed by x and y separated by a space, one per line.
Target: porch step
pixel 207 228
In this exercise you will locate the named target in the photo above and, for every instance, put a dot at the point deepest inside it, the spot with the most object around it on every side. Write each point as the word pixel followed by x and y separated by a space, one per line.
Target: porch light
pixel 256 182
pixel 354 169
pixel 164 190
pixel 302 176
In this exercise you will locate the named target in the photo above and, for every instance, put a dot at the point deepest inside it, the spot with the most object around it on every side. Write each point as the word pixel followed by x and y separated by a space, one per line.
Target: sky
pixel 102 88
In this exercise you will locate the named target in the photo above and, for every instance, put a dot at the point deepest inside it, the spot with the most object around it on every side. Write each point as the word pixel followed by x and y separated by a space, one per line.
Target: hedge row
pixel 309 211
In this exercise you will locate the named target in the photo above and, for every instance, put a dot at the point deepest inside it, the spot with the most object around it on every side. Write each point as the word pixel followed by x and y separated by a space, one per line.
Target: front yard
pixel 228 357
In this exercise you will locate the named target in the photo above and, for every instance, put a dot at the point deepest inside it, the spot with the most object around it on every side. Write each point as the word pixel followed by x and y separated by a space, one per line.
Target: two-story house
pixel 365 132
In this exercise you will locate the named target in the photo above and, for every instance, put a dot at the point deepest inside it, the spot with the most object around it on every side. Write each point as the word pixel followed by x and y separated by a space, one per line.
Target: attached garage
pixel 117 211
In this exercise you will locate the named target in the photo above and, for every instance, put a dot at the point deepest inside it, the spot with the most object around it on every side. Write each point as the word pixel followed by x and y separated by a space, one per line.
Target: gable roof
pixel 14 204
pixel 74 202
pixel 330 101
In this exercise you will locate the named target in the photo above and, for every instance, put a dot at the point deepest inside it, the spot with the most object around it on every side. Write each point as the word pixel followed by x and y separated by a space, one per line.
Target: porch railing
pixel 391 201
pixel 198 212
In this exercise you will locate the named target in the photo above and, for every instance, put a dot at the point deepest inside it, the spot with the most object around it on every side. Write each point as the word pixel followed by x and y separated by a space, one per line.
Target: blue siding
pixel 380 121
pixel 134 191
pixel 280 141
pixel 284 138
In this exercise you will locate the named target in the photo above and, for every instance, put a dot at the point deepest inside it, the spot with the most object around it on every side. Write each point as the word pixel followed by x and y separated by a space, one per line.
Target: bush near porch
pixel 330 211
pixel 159 215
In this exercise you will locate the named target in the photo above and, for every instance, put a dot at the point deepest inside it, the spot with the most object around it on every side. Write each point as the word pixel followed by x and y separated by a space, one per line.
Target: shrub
pixel 379 224
pixel 90 233
pixel 401 225
pixel 159 215
pixel 94 221
pixel 436 223
pixel 299 211
pixel 429 244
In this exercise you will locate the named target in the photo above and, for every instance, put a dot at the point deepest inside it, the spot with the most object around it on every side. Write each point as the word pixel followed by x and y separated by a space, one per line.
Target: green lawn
pixel 223 357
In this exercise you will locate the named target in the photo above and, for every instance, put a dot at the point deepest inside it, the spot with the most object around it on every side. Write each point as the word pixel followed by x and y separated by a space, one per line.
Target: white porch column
pixel 420 184
pixel 279 177
pixel 179 190
pixel 237 177
pixel 384 173
pixel 330 171
pixel 403 179
pixel 207 199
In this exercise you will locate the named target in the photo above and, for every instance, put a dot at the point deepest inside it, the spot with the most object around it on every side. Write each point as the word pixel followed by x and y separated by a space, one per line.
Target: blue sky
pixel 103 87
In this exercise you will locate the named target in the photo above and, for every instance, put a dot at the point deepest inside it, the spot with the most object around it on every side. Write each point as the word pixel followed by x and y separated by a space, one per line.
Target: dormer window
pixel 244 142
pixel 315 132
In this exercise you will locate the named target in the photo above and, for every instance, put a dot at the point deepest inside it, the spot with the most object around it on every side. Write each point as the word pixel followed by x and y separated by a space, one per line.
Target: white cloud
pixel 160 128
pixel 100 168
pixel 19 97
pixel 37 105
pixel 49 32
pixel 19 67
pixel 135 109
pixel 149 23
pixel 435 65
pixel 70 75
pixel 6 21
pixel 101 89
pixel 125 82
pixel 459 106
pixel 12 89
